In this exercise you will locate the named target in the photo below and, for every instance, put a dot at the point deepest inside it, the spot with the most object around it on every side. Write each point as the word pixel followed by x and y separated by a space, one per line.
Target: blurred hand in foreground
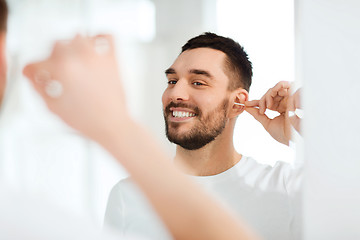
pixel 83 73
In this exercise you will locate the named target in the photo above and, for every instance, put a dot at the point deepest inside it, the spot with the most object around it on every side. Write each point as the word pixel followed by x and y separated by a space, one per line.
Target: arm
pixel 279 99
pixel 92 101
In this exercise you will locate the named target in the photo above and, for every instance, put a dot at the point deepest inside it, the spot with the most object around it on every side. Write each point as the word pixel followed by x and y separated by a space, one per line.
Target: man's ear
pixel 240 95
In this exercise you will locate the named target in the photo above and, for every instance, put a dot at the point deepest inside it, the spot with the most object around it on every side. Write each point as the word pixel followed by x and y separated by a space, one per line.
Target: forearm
pixel 186 209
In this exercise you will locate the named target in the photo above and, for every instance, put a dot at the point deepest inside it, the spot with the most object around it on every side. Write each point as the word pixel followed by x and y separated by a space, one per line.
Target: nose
pixel 179 92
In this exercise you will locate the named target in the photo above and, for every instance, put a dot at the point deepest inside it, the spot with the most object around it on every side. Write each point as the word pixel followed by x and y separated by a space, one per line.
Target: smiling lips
pixel 181 114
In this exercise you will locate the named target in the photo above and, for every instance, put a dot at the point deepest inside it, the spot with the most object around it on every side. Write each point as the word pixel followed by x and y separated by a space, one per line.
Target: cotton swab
pixel 298 112
pixel 241 104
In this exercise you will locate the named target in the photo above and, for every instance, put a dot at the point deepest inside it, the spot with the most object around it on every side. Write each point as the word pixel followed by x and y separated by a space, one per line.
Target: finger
pixel 82 46
pixel 262 106
pixel 291 104
pixel 282 85
pixel 39 75
pixel 294 101
pixel 28 70
pixel 59 48
pixel 279 94
pixel 297 99
pixel 253 103
pixel 103 44
pixel 283 92
pixel 79 45
pixel 279 91
pixel 296 123
pixel 269 98
pixel 277 100
pixel 266 101
pixel 262 118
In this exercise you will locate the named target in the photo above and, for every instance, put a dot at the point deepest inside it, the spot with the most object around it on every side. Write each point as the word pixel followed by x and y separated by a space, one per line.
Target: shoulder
pixel 123 184
pixel 123 198
pixel 125 187
pixel 265 175
pixel 254 168
pixel 130 212
pixel 279 168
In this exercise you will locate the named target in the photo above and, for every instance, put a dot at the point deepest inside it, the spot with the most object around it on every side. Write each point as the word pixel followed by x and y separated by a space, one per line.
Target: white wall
pixel 40 155
pixel 266 30
pixel 327 49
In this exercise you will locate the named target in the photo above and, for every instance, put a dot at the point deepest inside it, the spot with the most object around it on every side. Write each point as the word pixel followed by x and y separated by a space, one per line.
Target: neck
pixel 214 158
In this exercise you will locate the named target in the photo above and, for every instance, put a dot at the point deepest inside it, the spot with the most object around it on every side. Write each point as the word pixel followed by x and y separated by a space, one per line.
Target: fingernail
pixel 42 76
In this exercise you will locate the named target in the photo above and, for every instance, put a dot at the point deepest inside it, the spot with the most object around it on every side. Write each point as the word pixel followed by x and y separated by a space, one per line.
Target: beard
pixel 204 131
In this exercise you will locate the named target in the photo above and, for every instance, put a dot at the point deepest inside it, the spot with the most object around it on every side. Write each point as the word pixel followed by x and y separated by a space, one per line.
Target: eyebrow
pixel 201 72
pixel 192 71
pixel 170 71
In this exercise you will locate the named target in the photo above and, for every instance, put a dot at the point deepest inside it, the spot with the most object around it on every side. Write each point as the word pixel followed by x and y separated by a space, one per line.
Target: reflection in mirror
pixel 40 154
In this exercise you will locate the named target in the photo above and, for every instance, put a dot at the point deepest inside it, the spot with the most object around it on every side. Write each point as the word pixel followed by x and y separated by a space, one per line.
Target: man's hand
pixel 278 99
pixel 80 83
pixel 294 103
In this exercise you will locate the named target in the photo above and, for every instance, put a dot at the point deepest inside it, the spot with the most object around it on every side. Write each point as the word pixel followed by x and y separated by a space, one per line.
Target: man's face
pixel 196 101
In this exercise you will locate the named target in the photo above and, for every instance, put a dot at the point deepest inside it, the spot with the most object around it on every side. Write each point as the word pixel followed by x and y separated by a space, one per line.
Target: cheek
pixel 212 103
pixel 208 101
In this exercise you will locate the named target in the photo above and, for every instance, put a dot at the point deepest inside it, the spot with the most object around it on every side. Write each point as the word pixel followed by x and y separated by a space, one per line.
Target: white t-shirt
pixel 266 197
pixel 28 217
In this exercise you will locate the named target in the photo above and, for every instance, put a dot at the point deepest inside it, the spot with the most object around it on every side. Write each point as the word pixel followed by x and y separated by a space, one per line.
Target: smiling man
pixel 205 82
pixel 199 105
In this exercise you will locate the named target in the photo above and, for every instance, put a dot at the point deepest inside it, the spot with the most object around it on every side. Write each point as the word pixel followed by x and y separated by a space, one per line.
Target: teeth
pixel 182 114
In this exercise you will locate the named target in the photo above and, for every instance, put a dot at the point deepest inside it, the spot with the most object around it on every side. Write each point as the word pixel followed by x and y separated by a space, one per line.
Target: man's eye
pixel 171 82
pixel 198 83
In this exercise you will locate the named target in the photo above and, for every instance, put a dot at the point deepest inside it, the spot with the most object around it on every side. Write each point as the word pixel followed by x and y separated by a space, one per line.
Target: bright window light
pixel 266 30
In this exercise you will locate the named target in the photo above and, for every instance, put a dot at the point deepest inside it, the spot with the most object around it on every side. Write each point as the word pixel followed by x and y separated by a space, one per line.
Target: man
pixel 27 217
pixel 207 84
pixel 101 114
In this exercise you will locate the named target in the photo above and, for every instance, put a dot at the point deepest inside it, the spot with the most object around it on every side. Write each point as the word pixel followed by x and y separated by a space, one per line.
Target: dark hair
pixel 237 64
pixel 3 15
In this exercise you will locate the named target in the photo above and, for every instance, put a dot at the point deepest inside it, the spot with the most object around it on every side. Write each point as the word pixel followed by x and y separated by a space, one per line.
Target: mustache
pixel 196 110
